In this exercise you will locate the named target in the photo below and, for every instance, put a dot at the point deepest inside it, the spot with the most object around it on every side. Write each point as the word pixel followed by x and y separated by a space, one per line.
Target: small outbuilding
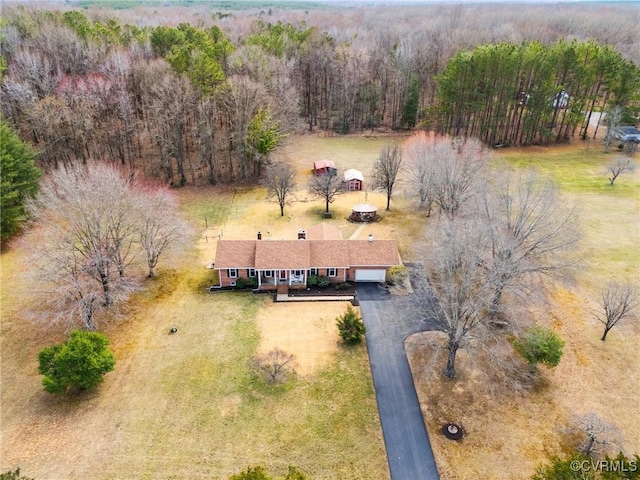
pixel 561 100
pixel 353 180
pixel 321 167
pixel 364 212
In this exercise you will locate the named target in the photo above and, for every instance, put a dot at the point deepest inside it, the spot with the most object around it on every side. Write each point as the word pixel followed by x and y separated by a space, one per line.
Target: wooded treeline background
pixel 194 95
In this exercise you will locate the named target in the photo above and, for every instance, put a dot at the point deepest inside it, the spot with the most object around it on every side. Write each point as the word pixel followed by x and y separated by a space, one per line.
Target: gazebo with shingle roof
pixel 364 212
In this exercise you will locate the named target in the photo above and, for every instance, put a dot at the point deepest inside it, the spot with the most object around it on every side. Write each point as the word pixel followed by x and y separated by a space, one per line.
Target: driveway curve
pixel 389 319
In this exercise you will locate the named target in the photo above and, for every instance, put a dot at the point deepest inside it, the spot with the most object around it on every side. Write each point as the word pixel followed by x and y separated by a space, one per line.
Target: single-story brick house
pixel 320 251
pixel 320 167
pixel 353 179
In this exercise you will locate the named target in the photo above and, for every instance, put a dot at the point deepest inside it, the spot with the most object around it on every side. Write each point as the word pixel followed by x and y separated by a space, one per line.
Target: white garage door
pixel 370 275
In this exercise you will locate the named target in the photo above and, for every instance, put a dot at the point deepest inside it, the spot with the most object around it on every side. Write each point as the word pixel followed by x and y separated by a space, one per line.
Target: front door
pixel 283 275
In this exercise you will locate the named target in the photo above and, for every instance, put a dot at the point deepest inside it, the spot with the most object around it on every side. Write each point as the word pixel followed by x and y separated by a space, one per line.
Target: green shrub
pixel 343 286
pixel 561 469
pixel 251 473
pixel 323 282
pixel 13 475
pixel 259 473
pixel 241 283
pixel 312 281
pixel 397 274
pixel 79 363
pixel 582 467
pixel 350 326
pixel 540 345
pixel 252 282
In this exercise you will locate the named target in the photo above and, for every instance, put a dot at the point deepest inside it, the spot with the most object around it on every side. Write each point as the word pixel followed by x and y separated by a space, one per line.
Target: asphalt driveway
pixel 389 319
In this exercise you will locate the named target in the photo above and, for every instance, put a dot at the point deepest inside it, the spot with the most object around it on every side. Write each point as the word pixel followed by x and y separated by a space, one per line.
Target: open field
pixel 511 431
pixel 610 215
pixel 187 406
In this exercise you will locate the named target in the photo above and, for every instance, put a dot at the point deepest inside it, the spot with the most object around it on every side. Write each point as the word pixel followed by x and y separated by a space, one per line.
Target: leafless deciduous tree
pixel 157 225
pixel 422 152
pixel 530 231
pixel 169 97
pixel 518 231
pixel 458 279
pixel 83 212
pixel 66 292
pixel 275 367
pixel 85 207
pixel 281 182
pixel 240 103
pixel 618 166
pixel 327 186
pixel 445 171
pixel 458 169
pixel 600 434
pixel 386 170
pixel 95 220
pixel 618 302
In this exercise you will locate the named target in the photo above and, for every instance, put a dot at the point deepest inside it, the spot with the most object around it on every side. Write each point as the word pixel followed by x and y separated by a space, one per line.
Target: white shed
pixel 353 179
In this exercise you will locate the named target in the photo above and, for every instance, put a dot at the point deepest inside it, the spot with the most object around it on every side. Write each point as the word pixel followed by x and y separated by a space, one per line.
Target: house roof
pixel 324 231
pixel 320 164
pixel 329 253
pixel 304 254
pixel 286 254
pixel 373 253
pixel 353 174
pixel 235 254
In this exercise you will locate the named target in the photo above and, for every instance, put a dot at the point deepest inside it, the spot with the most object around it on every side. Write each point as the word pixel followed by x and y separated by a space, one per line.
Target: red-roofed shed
pixel 320 167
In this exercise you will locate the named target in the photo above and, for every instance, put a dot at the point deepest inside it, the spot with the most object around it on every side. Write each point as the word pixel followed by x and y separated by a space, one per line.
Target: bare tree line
pixel 94 87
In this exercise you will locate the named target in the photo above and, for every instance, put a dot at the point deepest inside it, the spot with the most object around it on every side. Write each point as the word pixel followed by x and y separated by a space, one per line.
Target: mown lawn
pixel 609 215
pixel 577 168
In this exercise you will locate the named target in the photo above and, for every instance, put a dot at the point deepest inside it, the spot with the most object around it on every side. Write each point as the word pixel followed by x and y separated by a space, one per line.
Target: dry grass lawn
pixel 307 330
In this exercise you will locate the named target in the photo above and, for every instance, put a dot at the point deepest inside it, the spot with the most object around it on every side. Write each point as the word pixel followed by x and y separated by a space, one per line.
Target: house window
pixel 298 273
pixel 313 271
pixel 332 272
pixel 268 273
pixel 252 272
pixel 232 273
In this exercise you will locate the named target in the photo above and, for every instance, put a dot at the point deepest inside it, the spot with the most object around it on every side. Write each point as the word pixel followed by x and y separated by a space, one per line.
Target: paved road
pixel 389 320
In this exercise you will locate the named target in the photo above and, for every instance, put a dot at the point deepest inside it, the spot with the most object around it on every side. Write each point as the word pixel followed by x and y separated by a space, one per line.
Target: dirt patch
pixel 305 329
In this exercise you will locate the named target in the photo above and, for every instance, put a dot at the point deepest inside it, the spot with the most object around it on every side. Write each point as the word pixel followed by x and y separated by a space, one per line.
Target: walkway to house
pixel 284 294
pixel 284 297
pixel 389 320
pixel 355 234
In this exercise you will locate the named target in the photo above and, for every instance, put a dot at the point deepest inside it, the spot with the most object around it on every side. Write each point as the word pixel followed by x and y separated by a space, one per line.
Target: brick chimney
pixel 259 235
pixel 302 234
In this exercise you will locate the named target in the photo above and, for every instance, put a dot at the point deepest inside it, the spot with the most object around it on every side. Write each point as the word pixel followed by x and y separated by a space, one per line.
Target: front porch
pixel 272 279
